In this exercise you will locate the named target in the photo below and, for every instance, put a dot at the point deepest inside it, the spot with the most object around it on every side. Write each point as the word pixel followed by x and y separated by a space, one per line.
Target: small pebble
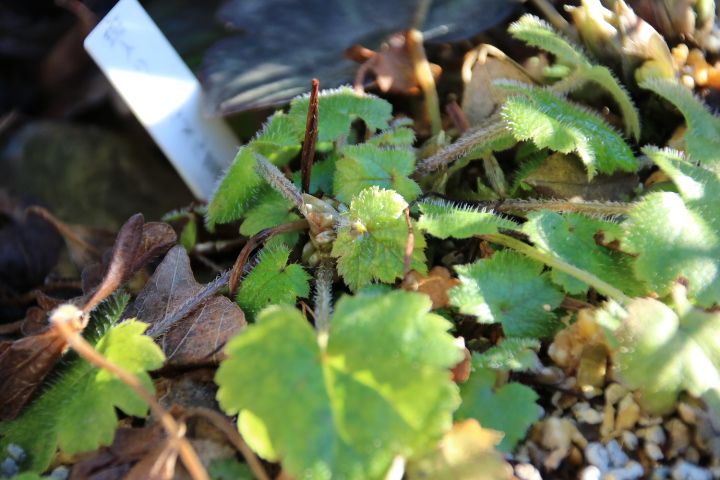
pixel 628 413
pixel 649 421
pixel 618 458
pixel 16 452
pixel 591 473
pixel 692 455
pixel 654 434
pixel 608 424
pixel 584 413
pixel 597 455
pixel 8 468
pixel 653 451
pixel 629 440
pixel 60 473
pixel 526 471
pixel 687 413
pixel 679 437
pixel 614 393
pixel 631 471
pixel 662 472
pixel 687 471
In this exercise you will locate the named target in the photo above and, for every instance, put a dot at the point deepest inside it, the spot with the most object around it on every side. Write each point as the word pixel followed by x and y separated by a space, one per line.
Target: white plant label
pixel 163 94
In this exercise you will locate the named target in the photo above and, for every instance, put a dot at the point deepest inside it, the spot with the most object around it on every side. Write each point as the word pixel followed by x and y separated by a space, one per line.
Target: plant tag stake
pixel 163 94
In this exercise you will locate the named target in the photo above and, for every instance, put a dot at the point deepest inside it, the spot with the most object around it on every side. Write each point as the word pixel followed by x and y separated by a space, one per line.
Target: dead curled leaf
pixel 435 285
pixel 197 338
pixel 391 67
pixel 466 452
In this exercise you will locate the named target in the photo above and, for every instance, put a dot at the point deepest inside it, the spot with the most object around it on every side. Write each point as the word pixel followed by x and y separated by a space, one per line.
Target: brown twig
pixel 409 245
pixel 311 133
pixel 253 243
pixel 63 229
pixel 68 322
pixel 423 73
pixel 223 424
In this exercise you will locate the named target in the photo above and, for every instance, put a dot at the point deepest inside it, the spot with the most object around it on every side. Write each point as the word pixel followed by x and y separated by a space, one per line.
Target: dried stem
pixel 423 73
pixel 548 259
pixel 491 129
pixel 277 180
pixel 311 133
pixel 523 207
pixel 409 244
pixel 323 295
pixel 223 424
pixel 67 326
pixel 253 242
pixel 457 116
pixel 63 229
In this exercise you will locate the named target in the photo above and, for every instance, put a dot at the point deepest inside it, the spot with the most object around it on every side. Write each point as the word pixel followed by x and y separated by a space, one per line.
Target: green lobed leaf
pixel 399 134
pixel 538 33
pixel 511 289
pixel 76 413
pixel 272 281
pixel 678 235
pixel 663 353
pixel 514 354
pixel 702 138
pixel 371 239
pixel 510 409
pixel 338 108
pixel 443 219
pixel 363 166
pixel 540 115
pixel 572 238
pixel 280 138
pixel 346 407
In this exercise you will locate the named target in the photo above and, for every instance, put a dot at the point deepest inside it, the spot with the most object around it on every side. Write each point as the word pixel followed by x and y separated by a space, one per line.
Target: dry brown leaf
pixel 129 446
pixel 466 452
pixel 197 338
pixel 570 343
pixel 481 68
pixel 435 285
pixel 564 176
pixel 391 66
pixel 461 372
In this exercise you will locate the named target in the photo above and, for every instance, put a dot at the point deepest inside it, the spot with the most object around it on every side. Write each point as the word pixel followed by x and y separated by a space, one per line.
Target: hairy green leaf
pixel 346 407
pixel 702 138
pixel 514 354
pixel 510 409
pixel 542 116
pixel 371 239
pixel 271 210
pixel 572 238
pixel 539 33
pixel 236 191
pixel 444 219
pixel 340 107
pixel 272 281
pixel 511 289
pixel 678 235
pixel 363 166
pixel 662 352
pixel 77 411
pixel 400 134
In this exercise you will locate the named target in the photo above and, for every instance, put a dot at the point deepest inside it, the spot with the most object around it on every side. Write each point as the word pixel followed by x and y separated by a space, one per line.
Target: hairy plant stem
pixel 67 326
pixel 492 128
pixel 323 295
pixel 522 207
pixel 423 73
pixel 277 180
pixel 533 252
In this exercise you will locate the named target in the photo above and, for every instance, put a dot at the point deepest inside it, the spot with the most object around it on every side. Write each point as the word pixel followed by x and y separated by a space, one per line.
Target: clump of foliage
pixel 369 383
